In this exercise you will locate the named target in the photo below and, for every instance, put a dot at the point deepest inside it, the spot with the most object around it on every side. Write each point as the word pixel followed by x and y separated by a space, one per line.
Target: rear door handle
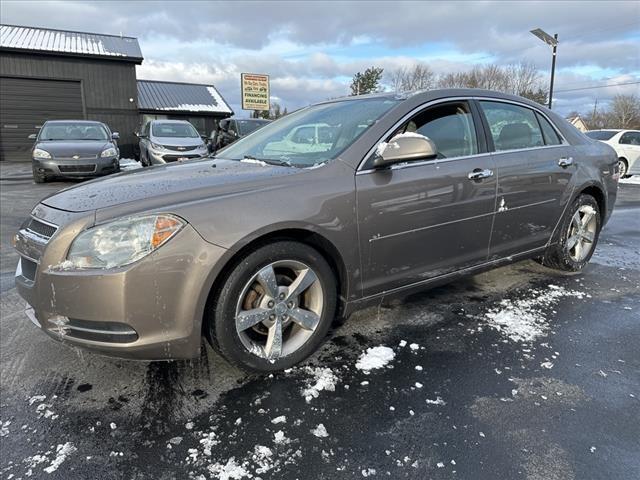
pixel 564 162
pixel 479 174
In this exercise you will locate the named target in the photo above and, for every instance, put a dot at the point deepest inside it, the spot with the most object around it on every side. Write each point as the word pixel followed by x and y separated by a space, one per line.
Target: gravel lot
pixel 459 392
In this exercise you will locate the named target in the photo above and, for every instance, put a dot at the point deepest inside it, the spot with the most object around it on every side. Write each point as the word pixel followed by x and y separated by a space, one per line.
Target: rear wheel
pixel 622 167
pixel 275 307
pixel 578 236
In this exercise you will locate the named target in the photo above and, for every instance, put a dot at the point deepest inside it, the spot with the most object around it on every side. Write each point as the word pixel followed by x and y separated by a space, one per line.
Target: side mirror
pixel 33 136
pixel 115 135
pixel 405 148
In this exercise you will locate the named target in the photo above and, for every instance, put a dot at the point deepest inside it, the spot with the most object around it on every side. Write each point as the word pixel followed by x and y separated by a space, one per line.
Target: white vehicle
pixel 626 143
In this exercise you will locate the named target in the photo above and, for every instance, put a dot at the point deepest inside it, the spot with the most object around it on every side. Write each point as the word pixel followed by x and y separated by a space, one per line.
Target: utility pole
pixel 553 68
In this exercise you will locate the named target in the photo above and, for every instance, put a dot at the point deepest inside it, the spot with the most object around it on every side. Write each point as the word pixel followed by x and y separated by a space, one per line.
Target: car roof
pixel 427 95
pixel 91 122
pixel 170 121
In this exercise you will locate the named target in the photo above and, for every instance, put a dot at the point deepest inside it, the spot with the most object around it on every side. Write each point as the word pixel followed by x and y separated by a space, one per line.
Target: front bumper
pixel 159 157
pixel 81 168
pixel 150 310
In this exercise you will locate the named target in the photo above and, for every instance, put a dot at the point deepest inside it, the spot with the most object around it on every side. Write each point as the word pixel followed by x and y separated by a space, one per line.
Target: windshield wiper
pixel 270 161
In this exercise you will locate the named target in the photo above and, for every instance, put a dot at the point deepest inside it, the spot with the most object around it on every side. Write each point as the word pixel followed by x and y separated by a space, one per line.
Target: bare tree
pixel 518 79
pixel 624 112
pixel 418 77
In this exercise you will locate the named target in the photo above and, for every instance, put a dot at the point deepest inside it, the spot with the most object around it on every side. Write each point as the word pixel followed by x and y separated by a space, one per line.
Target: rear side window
pixel 512 126
pixel 551 137
pixel 630 138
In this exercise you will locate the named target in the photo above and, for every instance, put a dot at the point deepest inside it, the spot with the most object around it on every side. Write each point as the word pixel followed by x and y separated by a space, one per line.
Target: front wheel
pixel 39 177
pixel 275 307
pixel 578 235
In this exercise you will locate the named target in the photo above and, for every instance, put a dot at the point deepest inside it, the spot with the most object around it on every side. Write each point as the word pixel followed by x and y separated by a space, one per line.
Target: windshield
pixel 73 131
pixel 601 134
pixel 248 126
pixel 174 130
pixel 310 136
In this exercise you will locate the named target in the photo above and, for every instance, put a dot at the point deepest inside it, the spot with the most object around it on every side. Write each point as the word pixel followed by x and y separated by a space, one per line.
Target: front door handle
pixel 480 173
pixel 564 162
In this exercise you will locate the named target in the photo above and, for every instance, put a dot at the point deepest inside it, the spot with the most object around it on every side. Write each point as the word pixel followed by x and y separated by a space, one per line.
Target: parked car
pixel 261 252
pixel 231 129
pixel 74 149
pixel 304 139
pixel 626 143
pixel 165 141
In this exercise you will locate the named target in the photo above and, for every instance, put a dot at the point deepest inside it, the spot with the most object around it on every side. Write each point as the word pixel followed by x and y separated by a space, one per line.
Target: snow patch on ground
pixel 633 180
pixel 322 379
pixel 320 431
pixel 524 320
pixel 62 452
pixel 129 164
pixel 229 471
pixel 374 358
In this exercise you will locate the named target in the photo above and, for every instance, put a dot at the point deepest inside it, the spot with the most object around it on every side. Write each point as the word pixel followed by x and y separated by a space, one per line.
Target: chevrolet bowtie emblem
pixel 76 157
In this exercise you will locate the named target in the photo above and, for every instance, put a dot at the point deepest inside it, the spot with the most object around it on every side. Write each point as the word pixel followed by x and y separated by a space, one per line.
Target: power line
pixel 598 86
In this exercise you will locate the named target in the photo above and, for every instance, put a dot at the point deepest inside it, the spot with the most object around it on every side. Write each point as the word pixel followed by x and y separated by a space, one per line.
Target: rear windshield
pixel 73 131
pixel 601 134
pixel 174 130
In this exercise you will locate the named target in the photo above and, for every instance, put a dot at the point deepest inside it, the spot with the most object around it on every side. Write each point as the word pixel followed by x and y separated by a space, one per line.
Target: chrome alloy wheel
pixel 279 309
pixel 582 233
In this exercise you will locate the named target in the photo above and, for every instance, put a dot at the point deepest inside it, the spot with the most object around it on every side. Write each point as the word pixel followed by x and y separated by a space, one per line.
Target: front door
pixel 423 219
pixel 534 169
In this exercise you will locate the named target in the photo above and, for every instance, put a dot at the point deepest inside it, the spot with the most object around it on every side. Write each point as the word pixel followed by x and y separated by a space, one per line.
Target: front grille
pixel 174 158
pixel 77 168
pixel 181 148
pixel 40 228
pixel 28 268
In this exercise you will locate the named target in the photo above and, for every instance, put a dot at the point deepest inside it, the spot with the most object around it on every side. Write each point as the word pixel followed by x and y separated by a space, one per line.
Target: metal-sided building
pixel 48 74
pixel 201 105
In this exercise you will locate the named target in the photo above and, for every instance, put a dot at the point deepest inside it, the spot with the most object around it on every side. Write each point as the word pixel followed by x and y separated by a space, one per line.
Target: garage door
pixel 26 104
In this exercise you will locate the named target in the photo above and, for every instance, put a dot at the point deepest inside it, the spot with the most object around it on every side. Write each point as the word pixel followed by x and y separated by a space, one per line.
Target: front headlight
pixel 109 152
pixel 122 242
pixel 155 146
pixel 39 153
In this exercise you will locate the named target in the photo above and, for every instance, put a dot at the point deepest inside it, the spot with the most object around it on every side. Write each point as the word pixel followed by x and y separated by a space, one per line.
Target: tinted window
pixel 449 126
pixel 512 127
pixel 550 135
pixel 174 130
pixel 73 131
pixel 248 126
pixel 601 134
pixel 630 138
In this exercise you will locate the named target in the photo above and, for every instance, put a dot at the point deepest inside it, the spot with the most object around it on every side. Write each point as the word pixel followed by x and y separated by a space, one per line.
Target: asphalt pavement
pixel 517 373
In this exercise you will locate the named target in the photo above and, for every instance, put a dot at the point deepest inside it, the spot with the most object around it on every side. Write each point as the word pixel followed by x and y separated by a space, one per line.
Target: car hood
pixel 178 141
pixel 69 148
pixel 171 184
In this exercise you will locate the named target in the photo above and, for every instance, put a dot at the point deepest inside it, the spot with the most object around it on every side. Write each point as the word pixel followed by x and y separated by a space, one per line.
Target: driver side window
pixel 450 126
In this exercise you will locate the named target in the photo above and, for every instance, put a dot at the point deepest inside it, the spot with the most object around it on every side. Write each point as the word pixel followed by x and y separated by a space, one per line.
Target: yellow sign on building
pixel 255 91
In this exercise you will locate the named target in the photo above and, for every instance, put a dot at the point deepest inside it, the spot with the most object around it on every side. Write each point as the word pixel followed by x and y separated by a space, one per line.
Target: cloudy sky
pixel 312 49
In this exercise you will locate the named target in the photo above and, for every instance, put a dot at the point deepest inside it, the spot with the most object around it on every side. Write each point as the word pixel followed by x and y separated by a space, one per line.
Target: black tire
pixel 557 255
pixel 221 317
pixel 39 177
pixel 623 168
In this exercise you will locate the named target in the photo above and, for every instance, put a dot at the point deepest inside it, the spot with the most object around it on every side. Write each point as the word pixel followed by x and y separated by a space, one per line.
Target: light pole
pixel 553 41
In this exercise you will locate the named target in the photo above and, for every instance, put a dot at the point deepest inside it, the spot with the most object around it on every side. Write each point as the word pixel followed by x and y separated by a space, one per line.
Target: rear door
pixel 534 169
pixel 630 143
pixel 427 218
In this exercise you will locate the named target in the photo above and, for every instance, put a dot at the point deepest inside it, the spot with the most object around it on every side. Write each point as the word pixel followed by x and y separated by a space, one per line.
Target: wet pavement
pixel 466 395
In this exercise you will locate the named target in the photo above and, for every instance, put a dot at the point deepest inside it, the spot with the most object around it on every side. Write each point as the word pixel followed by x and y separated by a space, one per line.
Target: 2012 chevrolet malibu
pixel 259 252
